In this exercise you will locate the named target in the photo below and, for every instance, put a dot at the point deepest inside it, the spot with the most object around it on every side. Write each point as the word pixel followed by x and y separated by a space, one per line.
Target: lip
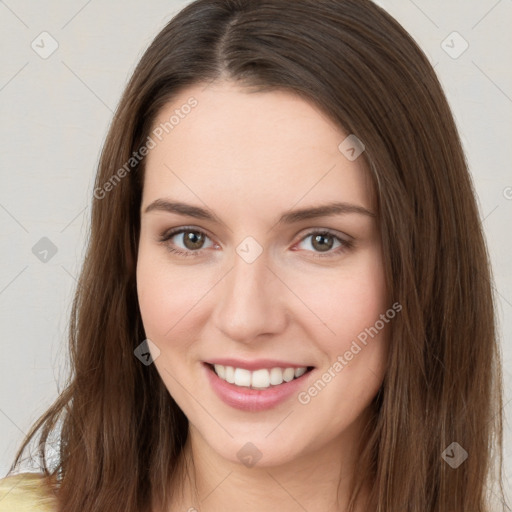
pixel 257 364
pixel 253 400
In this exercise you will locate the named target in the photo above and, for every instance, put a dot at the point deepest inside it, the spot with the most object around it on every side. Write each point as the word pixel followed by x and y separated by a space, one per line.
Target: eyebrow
pixel 289 217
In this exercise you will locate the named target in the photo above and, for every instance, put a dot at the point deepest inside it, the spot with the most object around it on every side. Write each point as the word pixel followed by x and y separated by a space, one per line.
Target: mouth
pixel 258 379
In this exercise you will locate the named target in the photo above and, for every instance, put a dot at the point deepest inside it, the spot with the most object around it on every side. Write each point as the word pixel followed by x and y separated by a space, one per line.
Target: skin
pixel 249 157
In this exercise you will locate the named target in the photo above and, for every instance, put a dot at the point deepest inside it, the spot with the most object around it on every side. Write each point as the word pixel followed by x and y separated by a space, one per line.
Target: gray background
pixel 55 112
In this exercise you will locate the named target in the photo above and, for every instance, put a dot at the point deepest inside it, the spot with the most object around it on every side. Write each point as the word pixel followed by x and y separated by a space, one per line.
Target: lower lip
pixel 247 399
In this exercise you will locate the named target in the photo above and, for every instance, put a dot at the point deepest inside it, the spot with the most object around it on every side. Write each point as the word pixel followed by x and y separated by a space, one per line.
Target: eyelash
pixel 345 244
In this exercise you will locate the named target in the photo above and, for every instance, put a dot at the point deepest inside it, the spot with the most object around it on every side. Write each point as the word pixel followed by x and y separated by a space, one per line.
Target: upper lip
pixel 256 364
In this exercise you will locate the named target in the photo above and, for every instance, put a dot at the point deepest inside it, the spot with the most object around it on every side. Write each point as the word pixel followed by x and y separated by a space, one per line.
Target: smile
pixel 256 389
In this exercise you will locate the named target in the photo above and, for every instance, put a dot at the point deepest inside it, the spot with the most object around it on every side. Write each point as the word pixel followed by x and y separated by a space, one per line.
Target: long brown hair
pixel 122 433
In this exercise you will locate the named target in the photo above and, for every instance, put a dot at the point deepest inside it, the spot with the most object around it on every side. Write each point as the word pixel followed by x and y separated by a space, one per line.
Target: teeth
pixel 289 374
pixel 221 371
pixel 276 376
pixel 300 371
pixel 258 379
pixel 242 377
pixel 230 374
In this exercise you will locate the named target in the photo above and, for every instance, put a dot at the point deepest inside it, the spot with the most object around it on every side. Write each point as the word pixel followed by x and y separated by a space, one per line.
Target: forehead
pixel 257 148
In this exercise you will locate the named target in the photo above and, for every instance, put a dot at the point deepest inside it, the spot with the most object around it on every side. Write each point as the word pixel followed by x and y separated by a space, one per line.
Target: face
pixel 245 274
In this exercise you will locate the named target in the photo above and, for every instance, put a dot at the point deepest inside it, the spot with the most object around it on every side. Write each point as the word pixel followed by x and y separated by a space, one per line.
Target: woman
pixel 286 300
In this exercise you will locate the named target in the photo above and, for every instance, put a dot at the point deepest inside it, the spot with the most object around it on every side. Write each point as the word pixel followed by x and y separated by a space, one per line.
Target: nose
pixel 250 301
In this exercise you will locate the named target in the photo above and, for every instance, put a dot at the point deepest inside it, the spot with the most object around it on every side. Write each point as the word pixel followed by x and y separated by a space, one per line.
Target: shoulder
pixel 26 492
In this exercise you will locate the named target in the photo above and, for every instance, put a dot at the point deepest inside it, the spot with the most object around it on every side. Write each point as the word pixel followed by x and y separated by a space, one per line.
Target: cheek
pixel 166 296
pixel 346 301
pixel 356 354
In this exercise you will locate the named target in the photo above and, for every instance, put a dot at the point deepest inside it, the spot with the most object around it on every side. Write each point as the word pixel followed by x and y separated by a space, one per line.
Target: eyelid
pixel 169 233
pixel 319 229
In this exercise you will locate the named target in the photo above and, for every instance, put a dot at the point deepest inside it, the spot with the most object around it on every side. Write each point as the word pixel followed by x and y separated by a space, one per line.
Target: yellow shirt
pixel 26 492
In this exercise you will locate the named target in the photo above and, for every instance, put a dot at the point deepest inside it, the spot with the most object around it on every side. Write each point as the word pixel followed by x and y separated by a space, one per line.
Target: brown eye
pixel 185 241
pixel 325 244
pixel 322 242
pixel 193 240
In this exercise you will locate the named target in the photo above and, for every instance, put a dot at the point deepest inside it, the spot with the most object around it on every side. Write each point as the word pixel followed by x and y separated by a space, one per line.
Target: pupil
pixel 321 239
pixel 193 240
